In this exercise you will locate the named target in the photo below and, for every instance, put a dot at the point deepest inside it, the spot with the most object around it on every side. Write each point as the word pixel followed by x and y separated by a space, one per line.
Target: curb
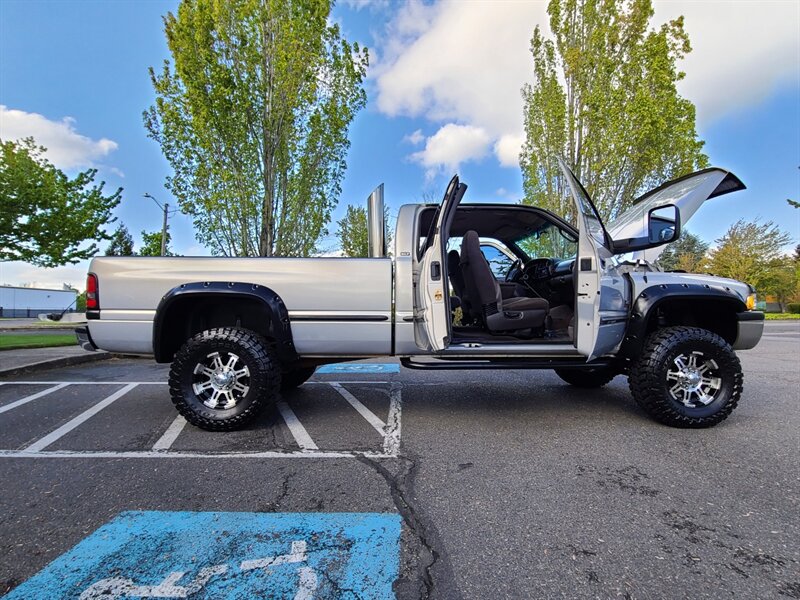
pixel 55 363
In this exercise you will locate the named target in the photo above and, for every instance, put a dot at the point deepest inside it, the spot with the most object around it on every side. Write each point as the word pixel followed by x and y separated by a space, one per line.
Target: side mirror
pixel 663 224
pixel 663 227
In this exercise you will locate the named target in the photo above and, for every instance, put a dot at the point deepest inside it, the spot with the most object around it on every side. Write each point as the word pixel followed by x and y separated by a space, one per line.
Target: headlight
pixel 751 301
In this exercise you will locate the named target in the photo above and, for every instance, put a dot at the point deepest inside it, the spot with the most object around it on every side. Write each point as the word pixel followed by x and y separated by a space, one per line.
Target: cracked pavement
pixel 509 484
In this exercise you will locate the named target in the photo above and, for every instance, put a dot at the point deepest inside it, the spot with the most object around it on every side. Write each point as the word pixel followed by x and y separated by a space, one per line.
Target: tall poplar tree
pixel 604 98
pixel 253 115
pixel 353 232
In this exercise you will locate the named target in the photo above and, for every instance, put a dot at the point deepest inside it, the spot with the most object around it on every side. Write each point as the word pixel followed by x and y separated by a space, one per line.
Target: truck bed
pixel 336 306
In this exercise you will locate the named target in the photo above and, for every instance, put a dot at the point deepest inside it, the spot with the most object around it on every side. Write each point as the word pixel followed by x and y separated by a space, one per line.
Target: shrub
pixel 793 307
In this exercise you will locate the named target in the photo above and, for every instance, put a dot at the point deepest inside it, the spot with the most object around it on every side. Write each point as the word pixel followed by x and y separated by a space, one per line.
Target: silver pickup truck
pixel 467 286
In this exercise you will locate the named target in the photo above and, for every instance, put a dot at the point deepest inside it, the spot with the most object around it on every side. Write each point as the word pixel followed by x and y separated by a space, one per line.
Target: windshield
pixel 548 242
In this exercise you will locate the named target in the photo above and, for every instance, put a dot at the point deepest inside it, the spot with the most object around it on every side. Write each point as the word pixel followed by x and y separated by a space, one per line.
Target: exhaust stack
pixel 376 224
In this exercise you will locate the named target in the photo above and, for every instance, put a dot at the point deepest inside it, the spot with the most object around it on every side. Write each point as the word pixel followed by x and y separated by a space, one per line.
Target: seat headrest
pixel 453 260
pixel 470 246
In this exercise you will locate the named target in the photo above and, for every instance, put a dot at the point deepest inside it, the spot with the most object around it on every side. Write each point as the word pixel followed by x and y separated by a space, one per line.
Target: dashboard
pixel 542 269
pixel 549 278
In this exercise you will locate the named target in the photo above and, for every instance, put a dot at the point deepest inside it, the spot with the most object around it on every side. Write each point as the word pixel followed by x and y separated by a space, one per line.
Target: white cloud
pixel 466 62
pixel 742 51
pixel 458 61
pixel 66 148
pixel 452 145
pixel 508 148
pixel 508 194
pixel 415 138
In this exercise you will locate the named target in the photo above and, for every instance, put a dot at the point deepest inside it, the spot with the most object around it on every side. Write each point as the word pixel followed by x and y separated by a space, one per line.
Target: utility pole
pixel 165 208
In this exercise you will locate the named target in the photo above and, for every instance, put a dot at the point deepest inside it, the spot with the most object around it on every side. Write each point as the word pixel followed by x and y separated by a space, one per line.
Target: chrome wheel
pixel 694 379
pixel 221 380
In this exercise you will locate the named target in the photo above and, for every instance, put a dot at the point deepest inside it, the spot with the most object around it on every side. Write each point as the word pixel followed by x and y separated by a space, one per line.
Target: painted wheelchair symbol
pixel 120 587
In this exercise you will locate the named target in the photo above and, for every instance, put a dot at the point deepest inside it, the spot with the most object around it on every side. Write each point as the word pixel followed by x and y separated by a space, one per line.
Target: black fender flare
pixel 647 303
pixel 279 326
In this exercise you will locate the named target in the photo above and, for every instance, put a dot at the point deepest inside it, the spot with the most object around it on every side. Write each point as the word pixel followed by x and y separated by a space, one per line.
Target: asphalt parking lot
pixel 503 483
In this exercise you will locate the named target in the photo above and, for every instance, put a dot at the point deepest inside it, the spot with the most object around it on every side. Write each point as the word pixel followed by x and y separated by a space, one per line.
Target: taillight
pixel 92 294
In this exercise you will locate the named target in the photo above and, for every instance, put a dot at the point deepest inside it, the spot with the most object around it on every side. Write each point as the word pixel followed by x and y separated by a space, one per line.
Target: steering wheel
pixel 514 271
pixel 538 269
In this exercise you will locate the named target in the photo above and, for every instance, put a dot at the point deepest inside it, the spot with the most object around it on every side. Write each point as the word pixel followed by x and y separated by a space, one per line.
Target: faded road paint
pixel 363 368
pixel 227 555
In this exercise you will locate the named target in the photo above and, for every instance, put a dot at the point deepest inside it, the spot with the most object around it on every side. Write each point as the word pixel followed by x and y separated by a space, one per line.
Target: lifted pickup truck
pixel 468 286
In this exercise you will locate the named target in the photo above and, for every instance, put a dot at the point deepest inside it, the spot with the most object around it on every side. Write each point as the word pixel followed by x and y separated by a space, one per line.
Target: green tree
pixel 121 243
pixel 80 302
pixel 353 231
pixel 751 251
pixel 253 118
pixel 45 216
pixel 604 98
pixel 151 244
pixel 687 254
pixel 782 280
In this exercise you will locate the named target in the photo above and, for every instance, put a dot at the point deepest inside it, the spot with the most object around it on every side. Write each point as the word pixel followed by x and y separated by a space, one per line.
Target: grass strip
pixel 15 342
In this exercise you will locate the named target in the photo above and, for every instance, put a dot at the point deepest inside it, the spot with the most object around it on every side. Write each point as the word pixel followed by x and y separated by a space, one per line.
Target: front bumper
pixel 750 326
pixel 85 339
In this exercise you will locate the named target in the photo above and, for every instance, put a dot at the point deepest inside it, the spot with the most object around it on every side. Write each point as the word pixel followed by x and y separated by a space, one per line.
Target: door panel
pixel 432 302
pixel 601 295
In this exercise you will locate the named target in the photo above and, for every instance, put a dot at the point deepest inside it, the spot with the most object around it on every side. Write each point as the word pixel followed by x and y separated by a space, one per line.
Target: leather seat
pixel 498 314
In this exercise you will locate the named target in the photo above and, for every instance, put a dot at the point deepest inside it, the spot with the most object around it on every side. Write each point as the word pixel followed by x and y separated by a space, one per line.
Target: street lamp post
pixel 165 208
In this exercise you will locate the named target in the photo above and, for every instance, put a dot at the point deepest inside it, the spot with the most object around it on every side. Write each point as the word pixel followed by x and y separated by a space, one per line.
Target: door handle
pixel 436 270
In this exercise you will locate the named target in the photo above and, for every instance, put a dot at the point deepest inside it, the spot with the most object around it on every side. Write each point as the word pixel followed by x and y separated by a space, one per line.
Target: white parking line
pixel 390 431
pixel 32 397
pixel 53 436
pixel 171 434
pixel 348 382
pixel 391 442
pixel 370 416
pixel 298 431
pixel 196 454
pixel 83 382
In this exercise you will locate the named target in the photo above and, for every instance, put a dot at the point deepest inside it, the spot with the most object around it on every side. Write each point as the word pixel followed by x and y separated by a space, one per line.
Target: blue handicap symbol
pixel 226 555
pixel 365 368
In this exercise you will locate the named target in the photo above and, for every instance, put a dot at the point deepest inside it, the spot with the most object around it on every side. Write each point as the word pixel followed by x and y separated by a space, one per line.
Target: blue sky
pixel 443 96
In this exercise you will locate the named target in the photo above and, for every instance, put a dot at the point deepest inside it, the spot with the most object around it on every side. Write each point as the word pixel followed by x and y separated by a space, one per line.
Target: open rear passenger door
pixel 431 288
pixel 601 306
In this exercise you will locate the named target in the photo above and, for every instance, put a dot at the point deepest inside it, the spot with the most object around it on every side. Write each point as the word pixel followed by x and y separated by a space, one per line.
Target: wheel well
pixel 192 309
pixel 713 314
pixel 188 316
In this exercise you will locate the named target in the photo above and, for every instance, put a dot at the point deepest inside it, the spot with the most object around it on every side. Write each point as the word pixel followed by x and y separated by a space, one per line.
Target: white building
pixel 29 302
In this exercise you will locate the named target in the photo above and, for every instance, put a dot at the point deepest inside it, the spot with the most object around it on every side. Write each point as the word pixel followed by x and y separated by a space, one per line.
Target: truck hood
pixel 687 194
